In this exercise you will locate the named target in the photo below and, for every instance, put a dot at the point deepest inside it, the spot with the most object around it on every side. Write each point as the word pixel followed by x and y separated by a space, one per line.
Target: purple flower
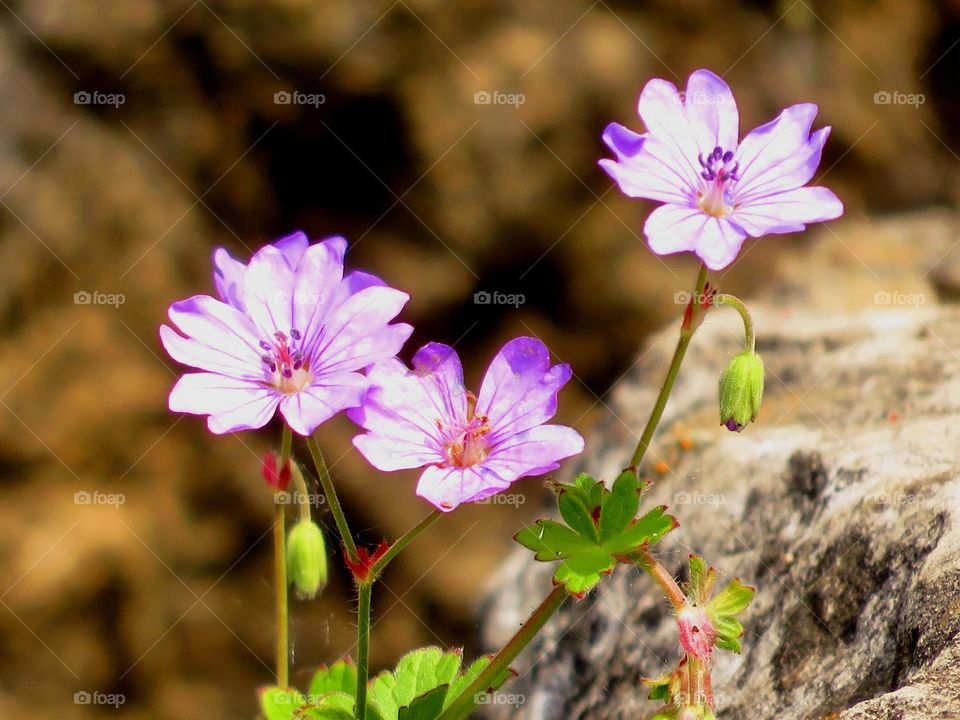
pixel 291 332
pixel 471 447
pixel 716 190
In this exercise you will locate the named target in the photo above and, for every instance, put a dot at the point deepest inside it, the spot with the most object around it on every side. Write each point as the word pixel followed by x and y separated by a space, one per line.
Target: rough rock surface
pixel 842 506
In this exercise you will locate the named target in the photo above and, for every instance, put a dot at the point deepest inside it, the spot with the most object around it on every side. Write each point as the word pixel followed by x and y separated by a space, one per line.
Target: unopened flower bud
pixel 697 633
pixel 277 480
pixel 741 390
pixel 306 559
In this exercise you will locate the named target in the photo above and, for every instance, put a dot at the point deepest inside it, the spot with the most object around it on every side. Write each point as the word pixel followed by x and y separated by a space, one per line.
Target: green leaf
pixel 417 673
pixel 425 707
pixel 729 632
pixel 667 713
pixel 339 677
pixel 588 486
pixel 620 506
pixel 472 673
pixel 277 703
pixel 331 706
pixel 468 676
pixel 573 509
pixel 734 598
pixel 589 548
pixel 643 531
pixel 552 541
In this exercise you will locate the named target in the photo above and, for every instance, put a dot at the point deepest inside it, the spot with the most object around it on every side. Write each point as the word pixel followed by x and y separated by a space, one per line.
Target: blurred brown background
pixel 165 598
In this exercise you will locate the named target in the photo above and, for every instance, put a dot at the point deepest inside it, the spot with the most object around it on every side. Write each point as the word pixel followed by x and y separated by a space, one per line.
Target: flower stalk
pixel 332 500
pixel 664 579
pixel 749 339
pixel 500 663
pixel 686 334
pixel 280 570
pixel 365 590
pixel 401 542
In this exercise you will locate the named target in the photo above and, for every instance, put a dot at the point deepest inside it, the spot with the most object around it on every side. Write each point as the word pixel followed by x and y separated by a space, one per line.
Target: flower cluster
pixel 292 332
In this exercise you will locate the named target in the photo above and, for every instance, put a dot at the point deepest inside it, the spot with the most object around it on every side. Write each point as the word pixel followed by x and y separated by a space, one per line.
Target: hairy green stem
pixel 363 648
pixel 686 334
pixel 280 571
pixel 658 572
pixel 749 340
pixel 465 702
pixel 331 495
pixel 402 542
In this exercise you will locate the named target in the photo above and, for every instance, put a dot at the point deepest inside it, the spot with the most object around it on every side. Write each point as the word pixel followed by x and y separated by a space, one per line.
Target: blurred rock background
pixel 165 598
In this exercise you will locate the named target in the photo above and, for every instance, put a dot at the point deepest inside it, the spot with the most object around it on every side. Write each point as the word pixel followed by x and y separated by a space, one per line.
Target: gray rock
pixel 839 505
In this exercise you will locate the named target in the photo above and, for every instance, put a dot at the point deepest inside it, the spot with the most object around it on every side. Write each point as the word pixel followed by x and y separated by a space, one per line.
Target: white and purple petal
pixel 447 487
pixel 228 277
pixel 410 407
pixel 231 403
pixel 716 241
pixel 520 388
pixel 788 211
pixel 535 451
pixel 356 333
pixel 313 405
pixel 213 336
pixel 711 111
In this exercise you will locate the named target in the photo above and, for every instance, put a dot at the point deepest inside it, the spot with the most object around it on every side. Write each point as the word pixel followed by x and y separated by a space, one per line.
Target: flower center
pixel 466 445
pixel 289 369
pixel 719 173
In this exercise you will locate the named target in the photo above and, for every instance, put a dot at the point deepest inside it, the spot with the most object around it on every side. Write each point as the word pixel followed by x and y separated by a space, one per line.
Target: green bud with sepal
pixel 306 559
pixel 722 607
pixel 741 390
